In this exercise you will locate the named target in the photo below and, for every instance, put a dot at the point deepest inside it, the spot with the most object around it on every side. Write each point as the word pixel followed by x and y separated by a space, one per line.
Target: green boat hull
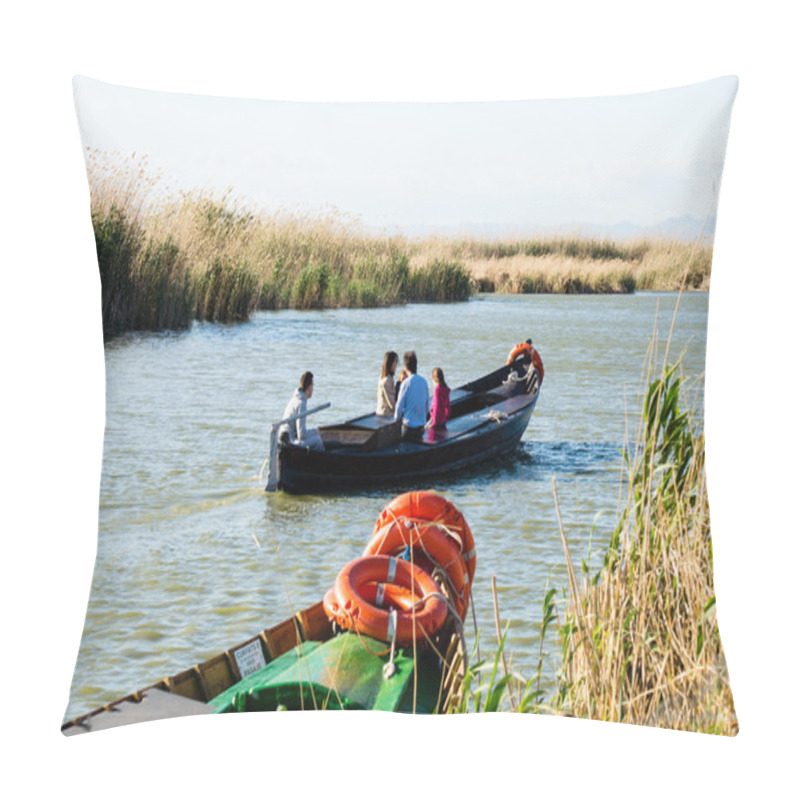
pixel 346 672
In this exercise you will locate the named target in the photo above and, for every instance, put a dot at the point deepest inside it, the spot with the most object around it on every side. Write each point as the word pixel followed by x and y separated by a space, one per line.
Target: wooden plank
pixel 314 624
pixel 364 438
pixel 371 422
pixel 187 684
pixel 282 638
pixel 204 678
pixel 217 675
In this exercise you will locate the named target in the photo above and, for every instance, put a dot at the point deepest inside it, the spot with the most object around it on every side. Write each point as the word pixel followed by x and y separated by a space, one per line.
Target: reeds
pixel 165 260
pixel 168 258
pixel 597 268
pixel 640 638
pixel 145 280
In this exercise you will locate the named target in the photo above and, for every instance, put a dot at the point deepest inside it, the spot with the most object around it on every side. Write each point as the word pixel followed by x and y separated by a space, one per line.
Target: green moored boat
pixel 388 636
pixel 301 664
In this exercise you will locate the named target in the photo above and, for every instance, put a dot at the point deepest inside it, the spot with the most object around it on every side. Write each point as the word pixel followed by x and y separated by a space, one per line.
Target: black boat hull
pixel 501 405
pixel 309 471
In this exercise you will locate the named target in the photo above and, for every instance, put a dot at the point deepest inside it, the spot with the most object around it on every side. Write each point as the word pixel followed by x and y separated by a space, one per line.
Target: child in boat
pixel 386 392
pixel 440 406
pixel 400 378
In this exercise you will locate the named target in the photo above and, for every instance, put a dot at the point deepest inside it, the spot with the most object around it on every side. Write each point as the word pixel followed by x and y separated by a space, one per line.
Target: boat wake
pixel 568 458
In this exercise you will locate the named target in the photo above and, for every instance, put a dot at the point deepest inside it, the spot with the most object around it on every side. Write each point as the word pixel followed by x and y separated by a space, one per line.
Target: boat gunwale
pixel 274 643
pixel 310 625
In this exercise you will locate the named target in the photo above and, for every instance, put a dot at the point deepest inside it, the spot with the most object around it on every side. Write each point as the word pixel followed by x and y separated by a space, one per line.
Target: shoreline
pixel 196 257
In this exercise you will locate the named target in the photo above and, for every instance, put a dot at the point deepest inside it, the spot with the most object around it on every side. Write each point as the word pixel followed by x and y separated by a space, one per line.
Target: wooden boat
pixel 306 662
pixel 298 664
pixel 488 417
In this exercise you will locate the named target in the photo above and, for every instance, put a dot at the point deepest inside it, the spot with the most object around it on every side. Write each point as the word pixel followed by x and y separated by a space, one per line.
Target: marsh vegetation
pixel 168 258
pixel 639 641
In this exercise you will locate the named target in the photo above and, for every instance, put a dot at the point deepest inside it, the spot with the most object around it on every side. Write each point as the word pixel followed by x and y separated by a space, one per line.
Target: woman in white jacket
pixel 386 395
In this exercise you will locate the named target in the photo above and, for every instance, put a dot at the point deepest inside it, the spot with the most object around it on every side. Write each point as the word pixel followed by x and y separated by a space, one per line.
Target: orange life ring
pixel 520 349
pixel 537 362
pixel 431 546
pixel 383 595
pixel 347 605
pixel 388 595
pixel 526 349
pixel 438 510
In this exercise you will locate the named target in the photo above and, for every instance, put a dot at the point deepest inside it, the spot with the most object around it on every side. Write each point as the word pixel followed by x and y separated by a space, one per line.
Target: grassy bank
pixel 639 637
pixel 193 256
pixel 197 257
pixel 573 265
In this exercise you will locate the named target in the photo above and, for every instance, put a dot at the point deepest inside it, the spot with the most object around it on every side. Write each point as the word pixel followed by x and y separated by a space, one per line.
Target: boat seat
pixel 372 422
pixel 512 404
pixel 469 422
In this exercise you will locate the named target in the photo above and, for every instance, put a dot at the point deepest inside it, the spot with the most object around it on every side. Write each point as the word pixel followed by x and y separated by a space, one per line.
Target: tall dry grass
pixel 145 280
pixel 168 258
pixel 640 638
pixel 165 259
pixel 570 265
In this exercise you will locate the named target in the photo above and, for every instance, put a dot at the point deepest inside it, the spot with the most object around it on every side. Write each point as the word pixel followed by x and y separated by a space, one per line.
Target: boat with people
pixel 388 635
pixel 487 419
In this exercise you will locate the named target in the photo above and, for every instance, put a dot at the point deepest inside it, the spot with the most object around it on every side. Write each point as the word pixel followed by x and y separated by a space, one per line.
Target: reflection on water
pixel 193 556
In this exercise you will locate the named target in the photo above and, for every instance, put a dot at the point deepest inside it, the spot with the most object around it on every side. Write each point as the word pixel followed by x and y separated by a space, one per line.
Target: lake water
pixel 193 556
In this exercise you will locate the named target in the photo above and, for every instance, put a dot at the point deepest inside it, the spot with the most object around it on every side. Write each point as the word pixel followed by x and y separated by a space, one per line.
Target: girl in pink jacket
pixel 440 406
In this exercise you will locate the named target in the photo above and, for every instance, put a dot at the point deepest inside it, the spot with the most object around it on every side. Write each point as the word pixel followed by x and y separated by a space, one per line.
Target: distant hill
pixel 686 228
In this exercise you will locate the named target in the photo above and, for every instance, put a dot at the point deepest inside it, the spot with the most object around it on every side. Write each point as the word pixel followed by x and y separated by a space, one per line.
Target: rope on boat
pixel 531 378
pixel 441 568
pixel 513 378
pixel 452 611
pixel 459 632
pixel 389 668
pixel 459 625
pixel 455 669
pixel 413 523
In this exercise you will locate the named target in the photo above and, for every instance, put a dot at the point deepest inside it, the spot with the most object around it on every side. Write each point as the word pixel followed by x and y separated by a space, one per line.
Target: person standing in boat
pixel 440 406
pixel 386 394
pixel 412 400
pixel 297 430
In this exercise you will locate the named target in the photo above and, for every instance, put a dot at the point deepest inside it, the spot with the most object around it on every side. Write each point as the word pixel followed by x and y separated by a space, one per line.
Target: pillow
pixel 266 269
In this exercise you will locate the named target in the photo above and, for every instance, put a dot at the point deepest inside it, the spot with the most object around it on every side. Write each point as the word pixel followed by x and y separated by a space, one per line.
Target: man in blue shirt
pixel 412 402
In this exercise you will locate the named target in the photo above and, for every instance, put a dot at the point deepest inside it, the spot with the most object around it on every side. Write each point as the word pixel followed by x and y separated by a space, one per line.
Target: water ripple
pixel 194 557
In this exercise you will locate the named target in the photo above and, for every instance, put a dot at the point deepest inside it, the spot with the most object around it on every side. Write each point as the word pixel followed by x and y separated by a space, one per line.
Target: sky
pixel 420 167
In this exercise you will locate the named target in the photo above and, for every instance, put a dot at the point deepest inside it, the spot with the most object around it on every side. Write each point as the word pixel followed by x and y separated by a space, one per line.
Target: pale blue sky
pixel 520 165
